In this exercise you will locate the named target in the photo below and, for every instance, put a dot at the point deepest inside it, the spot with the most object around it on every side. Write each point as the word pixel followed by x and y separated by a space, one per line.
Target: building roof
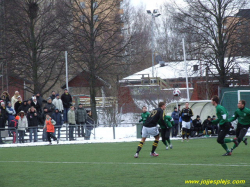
pixel 244 13
pixel 176 69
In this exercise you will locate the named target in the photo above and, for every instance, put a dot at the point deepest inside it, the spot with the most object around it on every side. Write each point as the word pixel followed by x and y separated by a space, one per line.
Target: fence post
pixel 67 129
pixel 113 131
pixel 94 130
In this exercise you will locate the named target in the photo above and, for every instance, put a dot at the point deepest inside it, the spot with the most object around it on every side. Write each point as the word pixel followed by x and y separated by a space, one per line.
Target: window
pixel 82 4
pixel 95 4
pixel 95 18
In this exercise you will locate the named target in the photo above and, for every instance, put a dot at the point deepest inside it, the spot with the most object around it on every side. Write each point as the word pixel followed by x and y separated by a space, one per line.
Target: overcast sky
pixel 150 4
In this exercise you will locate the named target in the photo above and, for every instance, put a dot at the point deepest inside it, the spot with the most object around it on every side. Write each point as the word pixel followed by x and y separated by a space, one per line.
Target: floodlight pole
pixel 152 43
pixel 66 62
pixel 184 53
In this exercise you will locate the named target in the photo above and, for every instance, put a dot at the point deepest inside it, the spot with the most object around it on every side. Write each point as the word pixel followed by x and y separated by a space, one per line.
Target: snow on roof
pixel 177 69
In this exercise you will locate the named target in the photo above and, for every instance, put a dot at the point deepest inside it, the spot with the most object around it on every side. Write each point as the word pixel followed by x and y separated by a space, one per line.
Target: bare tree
pixel 207 19
pixel 35 42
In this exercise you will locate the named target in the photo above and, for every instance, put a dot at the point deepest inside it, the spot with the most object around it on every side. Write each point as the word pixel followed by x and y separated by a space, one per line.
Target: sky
pixel 150 4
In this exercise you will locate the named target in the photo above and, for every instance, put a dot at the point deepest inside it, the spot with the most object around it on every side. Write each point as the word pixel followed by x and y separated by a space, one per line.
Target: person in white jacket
pixel 58 103
pixel 22 125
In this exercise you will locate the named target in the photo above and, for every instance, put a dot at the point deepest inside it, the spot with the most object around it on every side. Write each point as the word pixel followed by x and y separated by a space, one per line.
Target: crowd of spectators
pixel 30 115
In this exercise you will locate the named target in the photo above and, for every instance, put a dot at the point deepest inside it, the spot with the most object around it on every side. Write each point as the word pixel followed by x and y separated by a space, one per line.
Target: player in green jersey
pixel 243 116
pixel 224 125
pixel 144 115
pixel 165 131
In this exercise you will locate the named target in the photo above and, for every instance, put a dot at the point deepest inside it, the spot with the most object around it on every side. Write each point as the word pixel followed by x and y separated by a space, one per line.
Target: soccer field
pixel 113 164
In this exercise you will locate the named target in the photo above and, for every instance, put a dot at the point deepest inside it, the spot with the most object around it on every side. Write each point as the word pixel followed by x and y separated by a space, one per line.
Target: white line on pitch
pixel 121 163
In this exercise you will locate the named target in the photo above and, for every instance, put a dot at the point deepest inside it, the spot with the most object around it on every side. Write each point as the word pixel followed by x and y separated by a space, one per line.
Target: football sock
pixel 155 144
pixel 139 147
pixel 228 140
pixel 169 141
pixel 164 142
pixel 225 147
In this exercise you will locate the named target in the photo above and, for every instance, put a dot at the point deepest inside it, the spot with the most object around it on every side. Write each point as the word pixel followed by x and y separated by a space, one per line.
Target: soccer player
pixel 165 131
pixel 150 128
pixel 222 115
pixel 243 116
pixel 186 114
pixel 144 115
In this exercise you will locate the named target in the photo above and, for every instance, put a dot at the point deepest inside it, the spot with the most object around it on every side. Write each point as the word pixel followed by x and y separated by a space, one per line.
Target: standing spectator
pixel 59 121
pixel 3 118
pixel 24 107
pixel 81 117
pixel 5 97
pixel 36 105
pixel 14 99
pixel 215 126
pixel 32 117
pixel 50 129
pixel 58 103
pixel 72 121
pixel 29 101
pixel 18 103
pixel 67 102
pixel 22 125
pixel 186 114
pixel 14 124
pixel 207 125
pixel 175 115
pixel 11 115
pixel 197 124
pixel 40 100
pixel 89 126
pixel 53 96
pixel 51 108
pixel 42 120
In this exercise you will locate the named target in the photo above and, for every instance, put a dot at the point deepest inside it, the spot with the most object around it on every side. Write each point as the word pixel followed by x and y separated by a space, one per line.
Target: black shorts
pixel 239 127
pixel 223 131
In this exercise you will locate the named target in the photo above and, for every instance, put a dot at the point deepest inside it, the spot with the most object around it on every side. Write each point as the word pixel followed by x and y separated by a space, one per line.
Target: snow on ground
pixel 102 135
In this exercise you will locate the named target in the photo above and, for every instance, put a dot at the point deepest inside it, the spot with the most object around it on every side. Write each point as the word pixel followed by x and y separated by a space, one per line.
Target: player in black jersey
pixel 186 114
pixel 150 128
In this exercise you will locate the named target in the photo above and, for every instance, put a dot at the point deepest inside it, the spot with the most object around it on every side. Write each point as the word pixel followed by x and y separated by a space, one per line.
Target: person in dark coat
pixel 57 116
pixel 51 108
pixel 36 105
pixel 53 95
pixel 81 117
pixel 89 126
pixel 40 100
pixel 67 102
pixel 24 107
pixel 6 97
pixel 32 117
pixel 175 115
pixel 3 119
pixel 197 123
pixel 207 125
pixel 18 104
pixel 42 119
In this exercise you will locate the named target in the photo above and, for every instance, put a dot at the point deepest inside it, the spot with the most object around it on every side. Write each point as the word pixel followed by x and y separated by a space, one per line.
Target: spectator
pixel 179 109
pixel 40 100
pixel 42 120
pixel 51 108
pixel 72 122
pixel 18 103
pixel 67 102
pixel 14 99
pixel 215 126
pixel 22 125
pixel 3 118
pixel 207 125
pixel 59 121
pixel 24 107
pixel 32 117
pixel 58 103
pixel 81 117
pixel 36 105
pixel 29 101
pixel 50 129
pixel 53 96
pixel 5 97
pixel 197 123
pixel 175 115
pixel 11 115
pixel 14 124
pixel 89 126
